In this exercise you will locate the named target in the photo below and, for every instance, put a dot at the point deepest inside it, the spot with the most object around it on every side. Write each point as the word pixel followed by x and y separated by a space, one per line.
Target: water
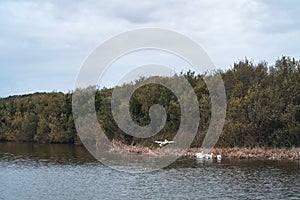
pixel 32 171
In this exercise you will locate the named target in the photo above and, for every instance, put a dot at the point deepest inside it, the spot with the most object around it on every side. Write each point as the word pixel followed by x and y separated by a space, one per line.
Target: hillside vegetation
pixel 263 109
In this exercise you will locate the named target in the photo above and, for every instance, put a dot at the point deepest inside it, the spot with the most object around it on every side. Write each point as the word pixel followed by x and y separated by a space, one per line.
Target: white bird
pixel 200 155
pixel 209 156
pixel 162 143
pixel 219 157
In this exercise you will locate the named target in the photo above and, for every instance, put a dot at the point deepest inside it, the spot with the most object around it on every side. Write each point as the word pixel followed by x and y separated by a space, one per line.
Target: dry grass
pixel 119 147
pixel 122 148
pixel 232 153
pixel 256 153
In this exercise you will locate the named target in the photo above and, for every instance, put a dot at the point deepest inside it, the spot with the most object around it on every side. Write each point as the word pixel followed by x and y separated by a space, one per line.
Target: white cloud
pixel 47 38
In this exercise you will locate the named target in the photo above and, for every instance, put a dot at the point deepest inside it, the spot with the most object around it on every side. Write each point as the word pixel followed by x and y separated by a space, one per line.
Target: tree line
pixel 263 109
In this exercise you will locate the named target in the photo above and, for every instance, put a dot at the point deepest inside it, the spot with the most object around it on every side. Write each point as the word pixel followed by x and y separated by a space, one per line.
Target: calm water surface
pixel 32 171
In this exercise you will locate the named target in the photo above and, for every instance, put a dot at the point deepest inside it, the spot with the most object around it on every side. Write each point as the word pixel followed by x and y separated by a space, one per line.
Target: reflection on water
pixel 33 171
pixel 60 153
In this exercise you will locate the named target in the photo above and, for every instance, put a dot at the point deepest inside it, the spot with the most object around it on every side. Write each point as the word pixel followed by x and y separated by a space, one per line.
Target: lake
pixel 61 171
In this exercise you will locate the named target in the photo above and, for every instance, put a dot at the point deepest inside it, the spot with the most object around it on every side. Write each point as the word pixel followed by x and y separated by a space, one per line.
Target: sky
pixel 44 43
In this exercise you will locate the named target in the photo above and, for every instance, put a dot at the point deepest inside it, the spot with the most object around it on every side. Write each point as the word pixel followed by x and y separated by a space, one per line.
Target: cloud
pixel 43 43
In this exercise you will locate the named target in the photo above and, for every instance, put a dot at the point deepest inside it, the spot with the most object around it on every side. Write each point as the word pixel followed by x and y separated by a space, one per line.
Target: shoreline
pixel 252 153
pixel 240 153
pixel 229 153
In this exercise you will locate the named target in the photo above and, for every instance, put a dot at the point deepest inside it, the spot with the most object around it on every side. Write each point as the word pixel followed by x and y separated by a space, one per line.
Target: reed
pixel 253 153
pixel 231 153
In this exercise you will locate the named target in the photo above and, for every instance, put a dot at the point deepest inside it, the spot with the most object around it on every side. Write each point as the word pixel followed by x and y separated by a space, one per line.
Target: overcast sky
pixel 44 43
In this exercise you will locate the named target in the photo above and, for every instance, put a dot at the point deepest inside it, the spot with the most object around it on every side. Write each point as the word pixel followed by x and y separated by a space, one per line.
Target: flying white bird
pixel 162 143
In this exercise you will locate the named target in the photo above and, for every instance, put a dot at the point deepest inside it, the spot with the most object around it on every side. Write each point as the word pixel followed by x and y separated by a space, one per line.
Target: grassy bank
pixel 254 153
pixel 230 153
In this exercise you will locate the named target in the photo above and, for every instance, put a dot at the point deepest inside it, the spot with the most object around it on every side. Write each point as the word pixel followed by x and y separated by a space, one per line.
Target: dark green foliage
pixel 39 117
pixel 263 109
pixel 262 105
